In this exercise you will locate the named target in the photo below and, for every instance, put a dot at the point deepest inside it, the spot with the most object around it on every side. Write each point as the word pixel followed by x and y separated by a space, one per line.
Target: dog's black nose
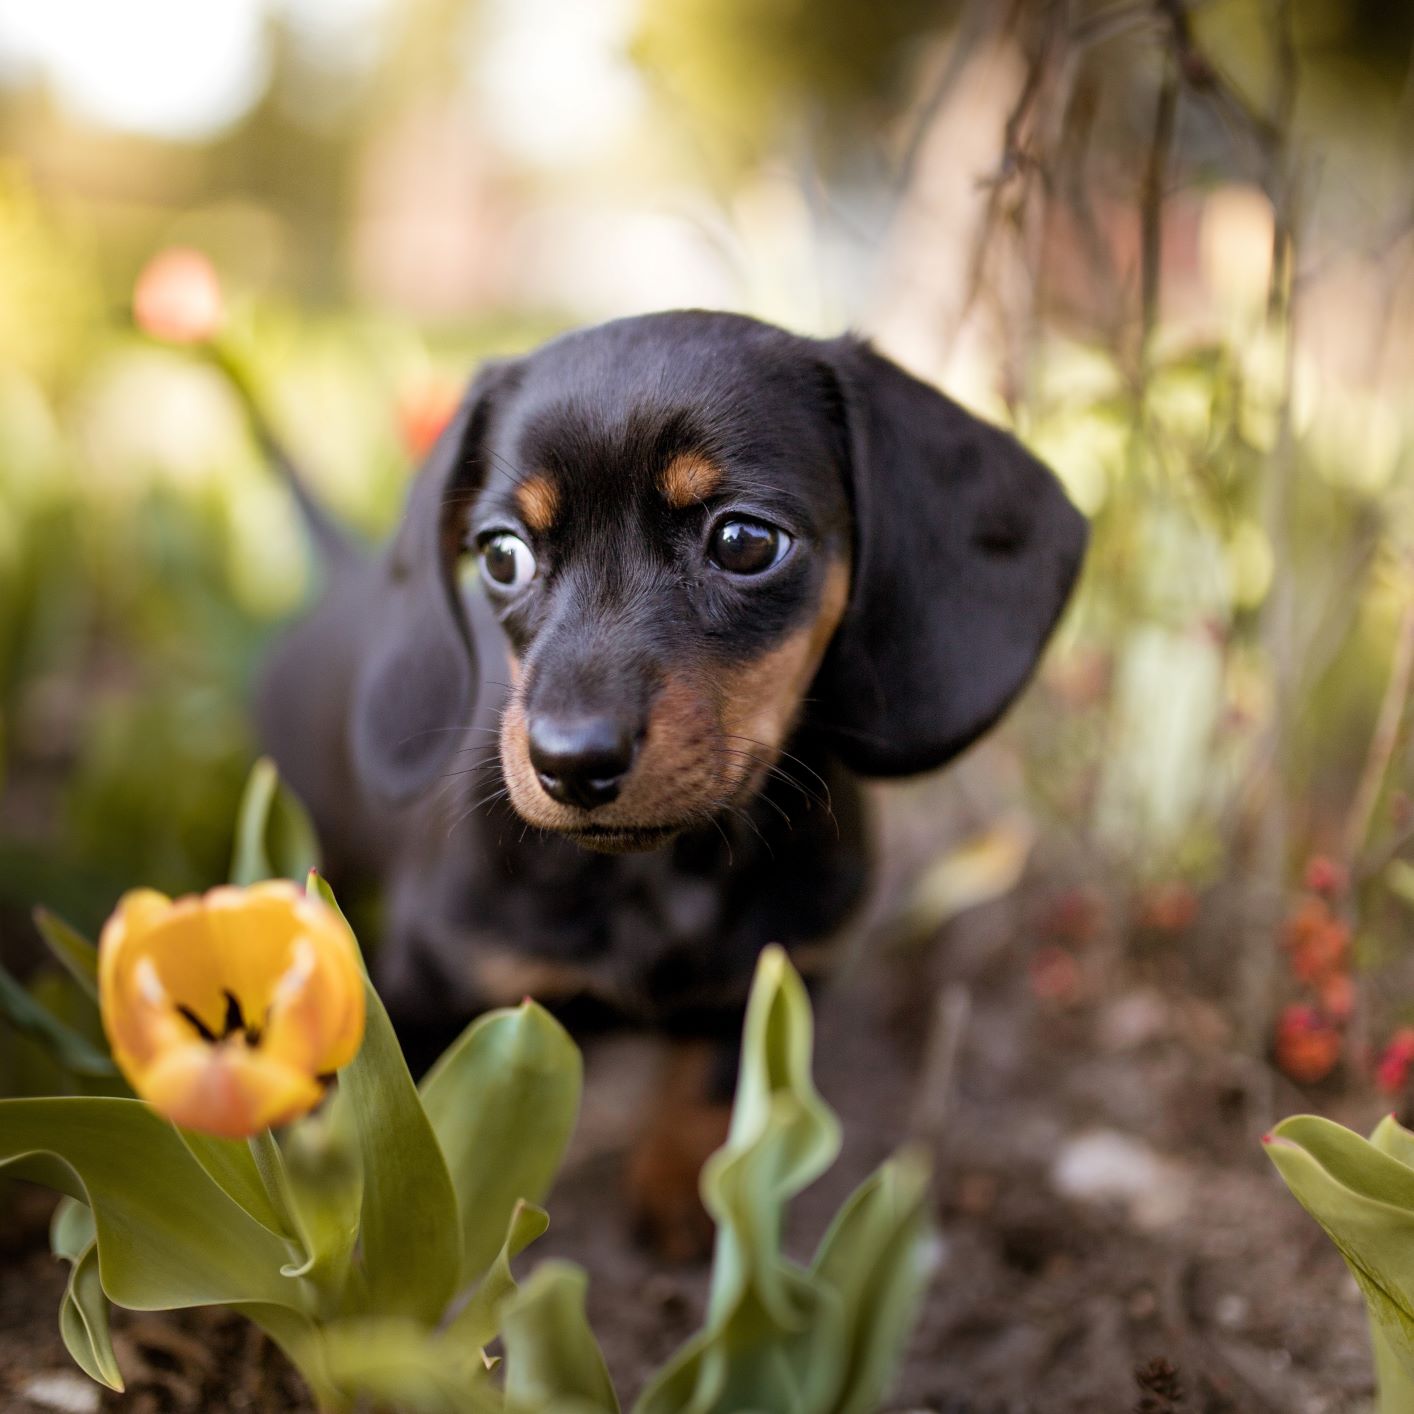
pixel 581 760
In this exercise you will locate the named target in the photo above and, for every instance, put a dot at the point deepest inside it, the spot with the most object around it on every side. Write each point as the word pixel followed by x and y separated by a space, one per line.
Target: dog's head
pixel 695 530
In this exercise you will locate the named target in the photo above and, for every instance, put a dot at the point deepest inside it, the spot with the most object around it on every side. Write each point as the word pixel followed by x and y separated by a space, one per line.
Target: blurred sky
pixel 554 73
pixel 165 68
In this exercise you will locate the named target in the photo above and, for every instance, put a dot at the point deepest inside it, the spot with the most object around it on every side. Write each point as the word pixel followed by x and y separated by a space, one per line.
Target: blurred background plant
pixel 1170 243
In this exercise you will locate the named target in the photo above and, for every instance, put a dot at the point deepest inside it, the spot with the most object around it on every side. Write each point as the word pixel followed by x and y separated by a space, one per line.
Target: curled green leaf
pixel 1362 1194
pixel 274 836
pixel 508 1087
pixel 553 1364
pixel 75 1053
pixel 397 1363
pixel 479 1321
pixel 817 1341
pixel 71 950
pixel 168 1236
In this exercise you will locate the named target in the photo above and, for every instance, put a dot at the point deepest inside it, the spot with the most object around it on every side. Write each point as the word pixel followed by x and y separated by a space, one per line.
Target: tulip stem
pixel 1396 1389
pixel 270 1165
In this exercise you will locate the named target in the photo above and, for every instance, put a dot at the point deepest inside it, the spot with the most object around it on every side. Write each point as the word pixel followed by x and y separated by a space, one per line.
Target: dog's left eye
pixel 508 561
pixel 742 546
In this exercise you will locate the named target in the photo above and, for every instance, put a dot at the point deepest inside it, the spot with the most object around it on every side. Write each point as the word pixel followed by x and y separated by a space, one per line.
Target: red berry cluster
pixel 1311 1033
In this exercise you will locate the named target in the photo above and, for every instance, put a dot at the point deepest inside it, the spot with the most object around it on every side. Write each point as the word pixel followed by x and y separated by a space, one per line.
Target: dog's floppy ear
pixel 417 678
pixel 966 549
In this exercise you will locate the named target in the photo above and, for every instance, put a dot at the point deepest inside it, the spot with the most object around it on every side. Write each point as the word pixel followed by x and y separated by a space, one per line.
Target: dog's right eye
pixel 508 561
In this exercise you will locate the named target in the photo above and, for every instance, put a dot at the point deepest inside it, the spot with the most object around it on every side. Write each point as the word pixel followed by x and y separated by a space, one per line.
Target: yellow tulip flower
pixel 229 1012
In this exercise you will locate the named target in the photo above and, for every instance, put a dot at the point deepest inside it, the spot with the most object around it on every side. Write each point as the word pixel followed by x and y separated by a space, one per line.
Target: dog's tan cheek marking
pixel 674 768
pixel 526 795
pixel 763 699
pixel 538 500
pixel 689 478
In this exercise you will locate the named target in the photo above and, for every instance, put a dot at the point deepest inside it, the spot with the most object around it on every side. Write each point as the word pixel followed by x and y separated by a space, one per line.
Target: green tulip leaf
pixel 324 1185
pixel 409 1222
pixel 1364 1199
pixel 397 1363
pixel 229 1164
pixel 298 1337
pixel 479 1321
pixel 553 1363
pixel 502 1100
pixel 75 1053
pixel 1390 1137
pixel 274 836
pixel 71 1229
pixel 408 1219
pixel 71 950
pixel 875 1256
pixel 83 1322
pixel 772 1338
pixel 83 1314
pixel 778 1337
pixel 168 1235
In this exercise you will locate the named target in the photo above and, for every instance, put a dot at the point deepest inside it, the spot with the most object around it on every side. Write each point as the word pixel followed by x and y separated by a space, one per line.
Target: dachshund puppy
pixel 665 589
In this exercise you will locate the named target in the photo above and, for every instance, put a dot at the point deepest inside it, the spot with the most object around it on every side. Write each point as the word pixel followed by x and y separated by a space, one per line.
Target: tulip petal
pixel 230 1090
pixel 316 1014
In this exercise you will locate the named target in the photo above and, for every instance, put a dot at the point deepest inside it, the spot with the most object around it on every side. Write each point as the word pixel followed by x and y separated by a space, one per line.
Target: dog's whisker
pixel 471 770
pixel 476 745
pixel 751 824
pixel 455 780
pixel 489 801
pixel 784 776
pixel 804 766
pixel 461 728
pixel 770 770
pixel 717 825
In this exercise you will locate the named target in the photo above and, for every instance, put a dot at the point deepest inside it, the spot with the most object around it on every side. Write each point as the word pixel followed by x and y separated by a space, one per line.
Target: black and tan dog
pixel 664 590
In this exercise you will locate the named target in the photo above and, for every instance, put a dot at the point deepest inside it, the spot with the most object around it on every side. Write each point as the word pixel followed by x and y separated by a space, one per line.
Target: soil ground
pixel 1104 1206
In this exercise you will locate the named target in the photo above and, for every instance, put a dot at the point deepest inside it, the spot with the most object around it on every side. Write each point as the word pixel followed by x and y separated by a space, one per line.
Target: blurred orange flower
pixel 423 412
pixel 1307 1044
pixel 1393 1068
pixel 178 297
pixel 228 1012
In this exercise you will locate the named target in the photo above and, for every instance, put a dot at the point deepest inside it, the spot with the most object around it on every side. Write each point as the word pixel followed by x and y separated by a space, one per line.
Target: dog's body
pixel 723 572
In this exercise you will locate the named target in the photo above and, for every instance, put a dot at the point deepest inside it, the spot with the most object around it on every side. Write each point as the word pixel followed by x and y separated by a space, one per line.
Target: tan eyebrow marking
pixel 690 477
pixel 538 501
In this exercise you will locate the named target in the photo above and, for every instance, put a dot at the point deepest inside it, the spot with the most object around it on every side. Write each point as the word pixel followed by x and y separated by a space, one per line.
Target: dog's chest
pixel 644 934
pixel 492 913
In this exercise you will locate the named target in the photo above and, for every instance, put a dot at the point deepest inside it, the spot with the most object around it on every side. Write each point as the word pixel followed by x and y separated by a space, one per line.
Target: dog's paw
pixel 662 1181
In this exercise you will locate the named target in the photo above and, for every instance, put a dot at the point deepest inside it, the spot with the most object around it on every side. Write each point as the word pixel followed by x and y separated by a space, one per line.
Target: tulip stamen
pixel 235 1021
pixel 197 1024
